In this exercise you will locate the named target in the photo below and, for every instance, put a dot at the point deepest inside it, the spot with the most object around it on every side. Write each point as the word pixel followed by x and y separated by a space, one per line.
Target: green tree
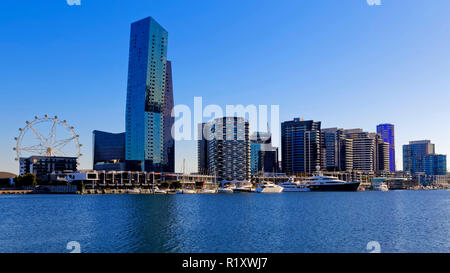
pixel 28 179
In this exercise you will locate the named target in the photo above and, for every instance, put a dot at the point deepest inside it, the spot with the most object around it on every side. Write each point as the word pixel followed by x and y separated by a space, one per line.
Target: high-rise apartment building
pixel 224 149
pixel 145 107
pixel 383 156
pixel 337 150
pixel 435 164
pixel 370 152
pixel 387 134
pixel 300 146
pixel 414 155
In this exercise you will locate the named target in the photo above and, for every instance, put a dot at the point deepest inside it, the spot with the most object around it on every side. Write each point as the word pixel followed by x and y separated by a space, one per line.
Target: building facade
pixel 337 150
pixel 169 142
pixel 263 156
pixel 435 164
pixel 300 146
pixel 414 155
pixel 146 88
pixel 387 134
pixel 44 166
pixel 108 151
pixel 370 152
pixel 202 148
pixel 225 151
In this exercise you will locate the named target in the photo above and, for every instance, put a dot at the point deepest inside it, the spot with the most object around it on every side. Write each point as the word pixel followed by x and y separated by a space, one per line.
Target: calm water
pixel 401 221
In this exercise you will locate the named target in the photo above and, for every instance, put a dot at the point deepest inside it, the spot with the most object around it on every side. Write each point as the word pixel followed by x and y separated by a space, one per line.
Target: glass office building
pixel 386 132
pixel 108 151
pixel 144 144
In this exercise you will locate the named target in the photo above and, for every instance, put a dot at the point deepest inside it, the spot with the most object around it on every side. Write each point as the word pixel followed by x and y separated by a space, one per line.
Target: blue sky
pixel 344 63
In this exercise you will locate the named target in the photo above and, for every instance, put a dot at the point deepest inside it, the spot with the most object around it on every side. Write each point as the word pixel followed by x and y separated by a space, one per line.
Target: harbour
pixel 401 221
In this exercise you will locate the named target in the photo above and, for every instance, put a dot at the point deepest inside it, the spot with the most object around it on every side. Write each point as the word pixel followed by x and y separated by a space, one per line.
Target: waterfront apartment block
pixel 146 88
pixel 435 164
pixel 108 151
pixel 224 149
pixel 414 155
pixel 300 146
pixel 370 152
pixel 337 150
pixel 387 134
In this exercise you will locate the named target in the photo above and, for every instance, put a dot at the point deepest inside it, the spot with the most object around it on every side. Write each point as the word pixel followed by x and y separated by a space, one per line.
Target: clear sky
pixel 344 63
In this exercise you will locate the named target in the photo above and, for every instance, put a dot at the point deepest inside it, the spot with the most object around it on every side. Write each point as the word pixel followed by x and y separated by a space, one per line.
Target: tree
pixel 28 179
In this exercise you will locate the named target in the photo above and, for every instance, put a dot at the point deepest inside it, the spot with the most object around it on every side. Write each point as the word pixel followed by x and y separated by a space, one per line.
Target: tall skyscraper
pixel 414 155
pixel 224 149
pixel 300 146
pixel 387 134
pixel 169 142
pixel 144 145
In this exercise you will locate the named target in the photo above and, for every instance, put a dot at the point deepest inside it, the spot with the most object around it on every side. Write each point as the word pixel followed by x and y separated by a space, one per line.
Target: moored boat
pixel 292 186
pixel 134 191
pixel 245 187
pixel 268 187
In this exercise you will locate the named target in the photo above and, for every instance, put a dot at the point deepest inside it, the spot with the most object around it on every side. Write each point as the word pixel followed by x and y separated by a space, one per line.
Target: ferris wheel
pixel 47 136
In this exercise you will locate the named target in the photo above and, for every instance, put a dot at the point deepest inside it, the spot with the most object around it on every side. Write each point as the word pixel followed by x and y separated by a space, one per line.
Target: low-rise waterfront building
pixel 44 166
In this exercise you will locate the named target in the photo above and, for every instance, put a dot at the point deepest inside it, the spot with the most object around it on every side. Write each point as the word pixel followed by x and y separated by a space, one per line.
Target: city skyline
pixel 98 116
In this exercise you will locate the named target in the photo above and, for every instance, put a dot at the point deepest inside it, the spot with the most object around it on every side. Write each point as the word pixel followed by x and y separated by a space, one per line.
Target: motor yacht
pixel 381 187
pixel 157 190
pixel 244 187
pixel 268 187
pixel 292 186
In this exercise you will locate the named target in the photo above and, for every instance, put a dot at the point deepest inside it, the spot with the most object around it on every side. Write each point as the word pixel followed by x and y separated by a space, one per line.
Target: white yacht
pixel 157 190
pixel 134 191
pixel 268 187
pixel 226 189
pixel 188 191
pixel 208 191
pixel 292 186
pixel 244 187
pixel 329 183
pixel 381 187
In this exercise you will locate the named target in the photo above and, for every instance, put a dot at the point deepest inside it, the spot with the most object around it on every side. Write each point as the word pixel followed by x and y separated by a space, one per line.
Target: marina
pixel 282 223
